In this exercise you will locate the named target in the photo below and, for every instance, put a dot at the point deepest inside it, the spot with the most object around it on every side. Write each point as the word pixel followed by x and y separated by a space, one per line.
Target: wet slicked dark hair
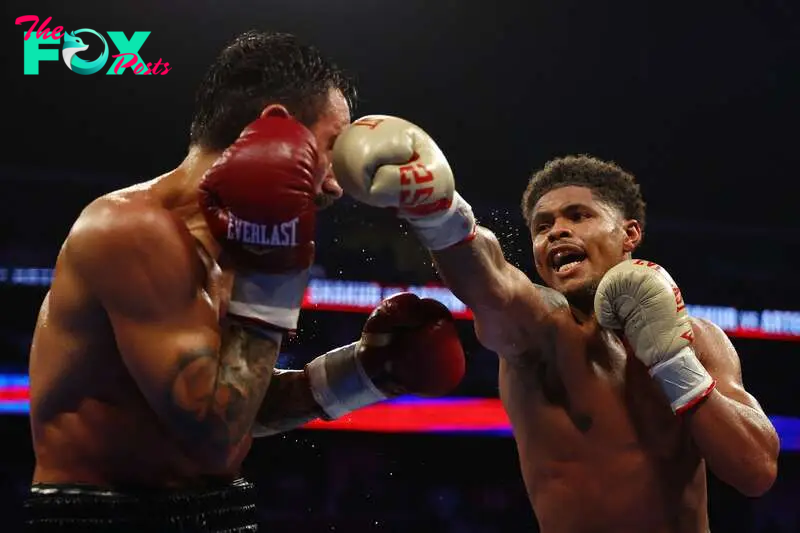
pixel 606 180
pixel 258 69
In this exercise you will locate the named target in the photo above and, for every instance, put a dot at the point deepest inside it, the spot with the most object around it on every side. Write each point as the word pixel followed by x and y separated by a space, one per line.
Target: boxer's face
pixel 577 237
pixel 332 121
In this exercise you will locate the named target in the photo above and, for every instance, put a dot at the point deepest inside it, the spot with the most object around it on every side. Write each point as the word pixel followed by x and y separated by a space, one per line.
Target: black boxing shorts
pixel 228 508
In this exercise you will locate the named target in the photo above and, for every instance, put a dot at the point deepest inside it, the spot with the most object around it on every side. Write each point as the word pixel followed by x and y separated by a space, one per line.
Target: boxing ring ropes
pixel 465 415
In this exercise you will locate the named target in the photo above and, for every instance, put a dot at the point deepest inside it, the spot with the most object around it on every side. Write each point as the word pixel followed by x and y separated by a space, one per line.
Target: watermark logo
pixel 36 50
pixel 73 44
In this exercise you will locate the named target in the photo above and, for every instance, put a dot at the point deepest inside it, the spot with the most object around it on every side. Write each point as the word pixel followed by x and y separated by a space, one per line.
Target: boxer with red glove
pixel 149 364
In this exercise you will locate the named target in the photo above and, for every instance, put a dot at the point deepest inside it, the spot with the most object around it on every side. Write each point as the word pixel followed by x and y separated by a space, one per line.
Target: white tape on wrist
pixel 339 383
pixel 272 299
pixel 452 227
pixel 684 380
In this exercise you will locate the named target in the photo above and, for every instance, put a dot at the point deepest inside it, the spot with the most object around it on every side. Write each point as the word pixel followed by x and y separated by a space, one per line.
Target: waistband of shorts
pixel 224 507
pixel 135 492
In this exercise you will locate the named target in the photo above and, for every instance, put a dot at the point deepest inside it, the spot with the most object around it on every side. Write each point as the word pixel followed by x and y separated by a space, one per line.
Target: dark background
pixel 698 100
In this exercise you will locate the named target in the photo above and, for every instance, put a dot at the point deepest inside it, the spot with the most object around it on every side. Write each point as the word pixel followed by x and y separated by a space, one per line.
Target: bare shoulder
pixel 535 306
pixel 112 230
pixel 531 312
pixel 120 245
pixel 552 299
pixel 510 311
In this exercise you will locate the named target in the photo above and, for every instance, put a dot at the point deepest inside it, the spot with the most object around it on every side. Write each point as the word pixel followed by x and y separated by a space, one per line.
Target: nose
pixel 559 230
pixel 330 186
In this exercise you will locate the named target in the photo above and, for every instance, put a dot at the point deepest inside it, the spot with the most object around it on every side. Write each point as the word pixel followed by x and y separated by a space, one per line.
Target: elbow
pixel 760 482
pixel 760 476
pixel 751 469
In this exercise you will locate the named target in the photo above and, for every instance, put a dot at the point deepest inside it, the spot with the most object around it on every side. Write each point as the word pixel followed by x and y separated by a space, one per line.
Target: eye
pixel 541 227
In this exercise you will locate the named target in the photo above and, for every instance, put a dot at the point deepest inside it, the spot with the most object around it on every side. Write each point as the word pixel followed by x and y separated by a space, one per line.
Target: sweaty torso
pixel 599 447
pixel 90 422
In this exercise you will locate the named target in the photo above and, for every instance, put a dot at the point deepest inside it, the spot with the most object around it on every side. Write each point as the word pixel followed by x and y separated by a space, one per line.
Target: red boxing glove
pixel 258 201
pixel 408 345
pixel 411 345
pixel 258 197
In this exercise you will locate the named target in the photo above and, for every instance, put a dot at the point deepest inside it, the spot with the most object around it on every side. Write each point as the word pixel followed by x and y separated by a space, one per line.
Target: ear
pixel 275 110
pixel 633 235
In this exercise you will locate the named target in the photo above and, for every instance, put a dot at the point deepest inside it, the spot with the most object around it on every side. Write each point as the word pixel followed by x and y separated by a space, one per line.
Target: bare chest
pixel 580 394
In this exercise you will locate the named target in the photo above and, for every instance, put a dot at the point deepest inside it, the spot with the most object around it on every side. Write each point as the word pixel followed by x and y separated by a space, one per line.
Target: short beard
pixel 323 201
pixel 582 298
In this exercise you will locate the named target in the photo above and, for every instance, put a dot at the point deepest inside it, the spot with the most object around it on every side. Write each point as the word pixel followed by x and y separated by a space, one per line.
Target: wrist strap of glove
pixel 340 384
pixel 269 299
pixel 456 225
pixel 684 380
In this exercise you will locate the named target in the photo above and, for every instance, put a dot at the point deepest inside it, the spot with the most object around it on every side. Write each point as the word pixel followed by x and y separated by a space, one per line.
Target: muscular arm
pixel 287 405
pixel 215 395
pixel 204 381
pixel 729 427
pixel 506 305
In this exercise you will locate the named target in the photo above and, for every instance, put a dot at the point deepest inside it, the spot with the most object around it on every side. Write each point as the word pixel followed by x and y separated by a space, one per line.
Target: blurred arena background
pixel 698 100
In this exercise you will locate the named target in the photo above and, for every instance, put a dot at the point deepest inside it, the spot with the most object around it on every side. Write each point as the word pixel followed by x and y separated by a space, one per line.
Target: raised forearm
pixel 738 442
pixel 475 270
pixel 507 307
pixel 288 404
pixel 219 394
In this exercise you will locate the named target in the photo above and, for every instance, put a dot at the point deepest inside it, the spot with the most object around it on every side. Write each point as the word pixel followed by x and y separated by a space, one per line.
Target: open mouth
pixel 564 260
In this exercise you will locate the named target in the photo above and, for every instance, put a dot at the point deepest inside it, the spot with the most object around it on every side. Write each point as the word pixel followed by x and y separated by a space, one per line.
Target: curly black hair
pixel 606 180
pixel 255 70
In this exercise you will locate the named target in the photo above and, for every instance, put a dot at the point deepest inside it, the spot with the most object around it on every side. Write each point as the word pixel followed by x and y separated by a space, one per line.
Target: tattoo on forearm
pixel 288 403
pixel 215 396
